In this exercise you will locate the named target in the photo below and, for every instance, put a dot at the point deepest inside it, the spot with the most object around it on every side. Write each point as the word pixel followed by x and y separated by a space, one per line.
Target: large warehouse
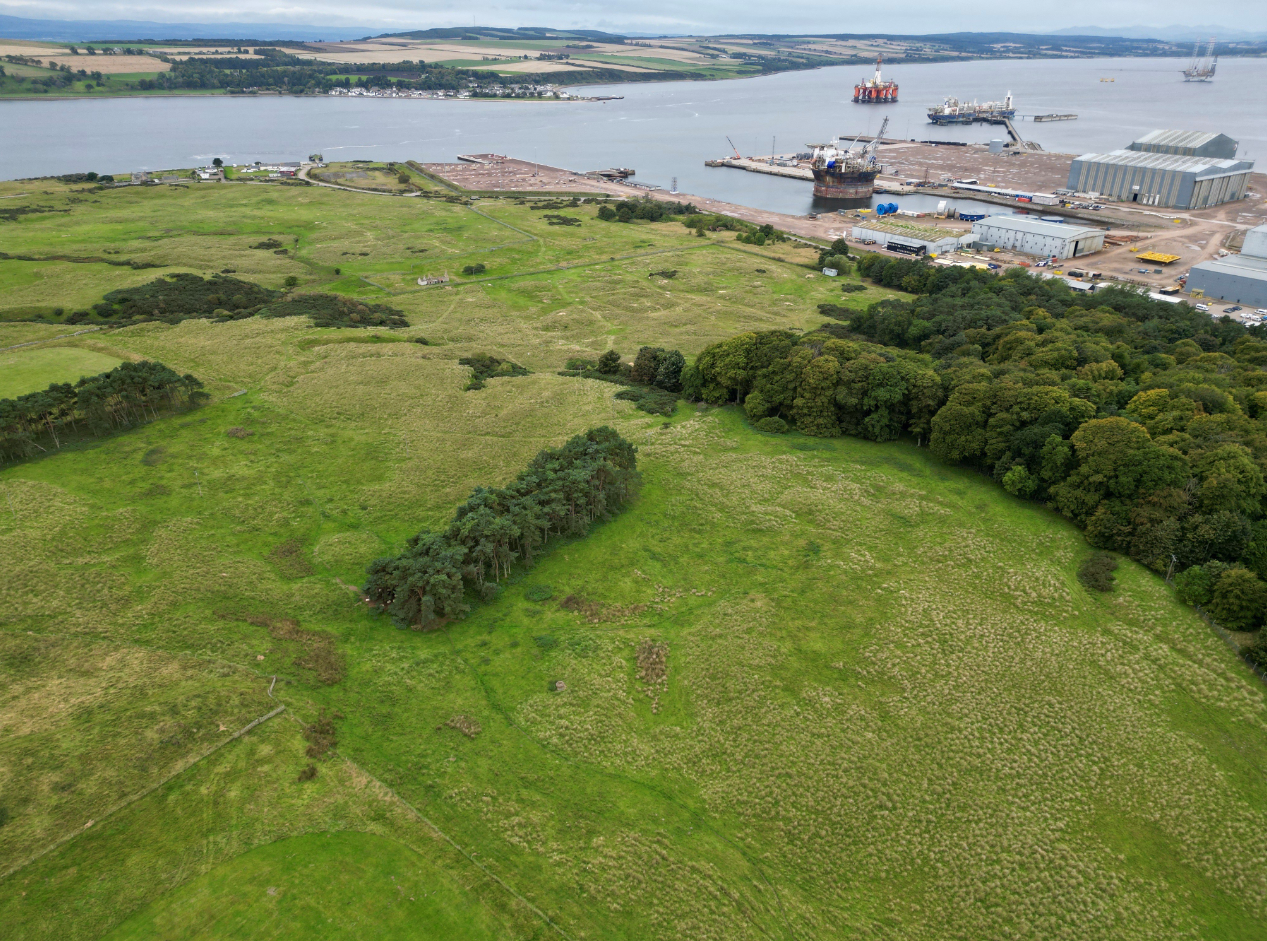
pixel 910 239
pixel 1161 179
pixel 1036 237
pixel 1187 144
pixel 1241 278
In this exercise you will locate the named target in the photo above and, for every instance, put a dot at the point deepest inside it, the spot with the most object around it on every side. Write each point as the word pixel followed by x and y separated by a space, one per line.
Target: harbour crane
pixel 868 152
pixel 733 147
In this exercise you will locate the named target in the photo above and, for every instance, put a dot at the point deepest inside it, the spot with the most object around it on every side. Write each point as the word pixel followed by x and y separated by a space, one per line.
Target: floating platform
pixel 1055 117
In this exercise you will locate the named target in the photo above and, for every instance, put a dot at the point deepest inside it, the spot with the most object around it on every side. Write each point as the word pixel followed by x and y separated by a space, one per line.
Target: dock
pixel 1055 117
pixel 760 166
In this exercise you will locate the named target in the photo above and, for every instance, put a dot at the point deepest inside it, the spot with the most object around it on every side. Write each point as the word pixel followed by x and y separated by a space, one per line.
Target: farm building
pixel 1187 144
pixel 1161 179
pixel 909 239
pixel 1241 278
pixel 1036 237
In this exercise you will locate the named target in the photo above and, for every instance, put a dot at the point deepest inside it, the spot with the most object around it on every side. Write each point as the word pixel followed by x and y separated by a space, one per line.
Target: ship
pixel 848 172
pixel 1203 66
pixel 953 111
pixel 874 90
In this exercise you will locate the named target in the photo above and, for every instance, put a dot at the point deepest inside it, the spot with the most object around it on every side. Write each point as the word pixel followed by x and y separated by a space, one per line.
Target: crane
pixel 868 152
pixel 733 147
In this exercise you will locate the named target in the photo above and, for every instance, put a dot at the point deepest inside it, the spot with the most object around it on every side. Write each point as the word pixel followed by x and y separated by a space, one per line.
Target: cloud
pixel 704 16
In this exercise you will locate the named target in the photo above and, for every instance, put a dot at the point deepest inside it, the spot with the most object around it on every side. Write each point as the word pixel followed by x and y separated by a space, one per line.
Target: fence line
pixel 128 801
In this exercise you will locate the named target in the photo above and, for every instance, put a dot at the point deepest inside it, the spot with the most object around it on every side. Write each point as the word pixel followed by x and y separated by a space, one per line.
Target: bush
pixel 1096 573
pixel 852 287
pixel 772 425
pixel 333 310
pixel 546 642
pixel 539 593
pixel 755 406
pixel 489 367
pixel 291 281
pixel 609 363
pixel 1195 585
pixel 1237 600
pixel 474 269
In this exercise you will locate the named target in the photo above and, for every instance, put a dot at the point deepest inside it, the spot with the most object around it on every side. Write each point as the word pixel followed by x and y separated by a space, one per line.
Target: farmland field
pixel 881 703
pixel 26 371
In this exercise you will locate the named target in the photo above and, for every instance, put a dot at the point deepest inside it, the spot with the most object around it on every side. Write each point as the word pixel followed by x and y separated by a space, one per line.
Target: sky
pixel 671 16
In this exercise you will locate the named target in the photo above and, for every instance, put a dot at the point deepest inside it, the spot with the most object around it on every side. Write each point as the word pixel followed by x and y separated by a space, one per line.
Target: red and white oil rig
pixel 874 90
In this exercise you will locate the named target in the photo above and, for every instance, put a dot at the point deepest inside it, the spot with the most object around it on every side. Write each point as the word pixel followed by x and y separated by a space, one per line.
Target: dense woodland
pixel 184 296
pixel 1143 422
pixel 561 493
pixel 131 394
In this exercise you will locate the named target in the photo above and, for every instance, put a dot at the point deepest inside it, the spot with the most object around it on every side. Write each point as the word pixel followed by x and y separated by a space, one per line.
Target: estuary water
pixel 662 130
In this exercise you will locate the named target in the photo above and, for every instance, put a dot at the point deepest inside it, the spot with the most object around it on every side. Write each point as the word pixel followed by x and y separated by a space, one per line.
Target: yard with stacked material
pixel 799 688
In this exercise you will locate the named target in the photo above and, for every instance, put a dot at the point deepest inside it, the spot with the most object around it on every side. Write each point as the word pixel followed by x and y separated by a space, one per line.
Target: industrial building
pixel 909 239
pixel 1161 179
pixel 1187 144
pixel 1036 237
pixel 1241 278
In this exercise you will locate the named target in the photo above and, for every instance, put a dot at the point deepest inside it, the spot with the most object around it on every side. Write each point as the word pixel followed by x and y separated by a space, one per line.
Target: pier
pixel 760 166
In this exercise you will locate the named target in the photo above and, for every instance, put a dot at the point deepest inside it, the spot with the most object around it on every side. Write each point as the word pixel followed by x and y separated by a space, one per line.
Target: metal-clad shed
pixel 1238 278
pixel 1159 179
pixel 1255 242
pixel 1187 144
pixel 1035 237
pixel 908 239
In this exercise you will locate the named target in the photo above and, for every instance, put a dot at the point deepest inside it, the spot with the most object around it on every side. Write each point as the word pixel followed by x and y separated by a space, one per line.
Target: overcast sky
pixel 706 16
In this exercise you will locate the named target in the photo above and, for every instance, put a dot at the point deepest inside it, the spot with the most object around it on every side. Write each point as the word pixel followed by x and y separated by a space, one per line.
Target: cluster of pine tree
pixel 561 493
pixel 131 394
pixel 1143 422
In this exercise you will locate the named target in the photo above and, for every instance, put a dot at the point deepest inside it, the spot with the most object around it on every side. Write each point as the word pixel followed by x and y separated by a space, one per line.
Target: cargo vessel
pixel 874 90
pixel 846 172
pixel 953 111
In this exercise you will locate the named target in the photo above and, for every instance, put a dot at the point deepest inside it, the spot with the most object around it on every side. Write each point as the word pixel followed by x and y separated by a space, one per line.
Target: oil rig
pixel 874 90
pixel 1203 66
pixel 846 173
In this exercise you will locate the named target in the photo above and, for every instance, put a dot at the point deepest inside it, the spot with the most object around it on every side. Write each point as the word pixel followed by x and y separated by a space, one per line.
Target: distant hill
pixel 1167 33
pixel 17 27
pixel 495 32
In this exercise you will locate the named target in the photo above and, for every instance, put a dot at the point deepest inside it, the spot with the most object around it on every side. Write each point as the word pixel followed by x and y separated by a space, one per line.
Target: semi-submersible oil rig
pixel 874 90
pixel 846 173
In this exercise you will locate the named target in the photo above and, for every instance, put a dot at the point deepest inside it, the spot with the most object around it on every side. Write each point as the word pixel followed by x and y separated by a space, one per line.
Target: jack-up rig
pixel 1203 66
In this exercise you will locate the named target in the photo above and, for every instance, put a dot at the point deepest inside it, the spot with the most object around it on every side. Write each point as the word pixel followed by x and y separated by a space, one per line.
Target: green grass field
pixel 31 370
pixel 890 709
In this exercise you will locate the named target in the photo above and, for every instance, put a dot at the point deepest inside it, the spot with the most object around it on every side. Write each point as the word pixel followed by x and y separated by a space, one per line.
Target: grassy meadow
pixel 810 688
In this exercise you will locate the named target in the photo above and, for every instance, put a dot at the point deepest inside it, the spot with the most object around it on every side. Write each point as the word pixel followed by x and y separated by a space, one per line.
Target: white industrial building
pixel 1239 278
pixel 908 239
pixel 1036 237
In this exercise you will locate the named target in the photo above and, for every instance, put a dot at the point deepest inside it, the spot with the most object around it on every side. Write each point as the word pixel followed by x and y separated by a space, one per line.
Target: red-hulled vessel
pixel 874 90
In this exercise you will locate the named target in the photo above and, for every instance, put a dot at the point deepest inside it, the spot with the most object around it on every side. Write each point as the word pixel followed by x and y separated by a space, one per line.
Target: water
pixel 663 130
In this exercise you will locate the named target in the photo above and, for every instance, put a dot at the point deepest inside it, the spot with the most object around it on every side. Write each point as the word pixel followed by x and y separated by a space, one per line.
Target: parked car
pixel 1232 310
pixel 1262 311
pixel 1205 308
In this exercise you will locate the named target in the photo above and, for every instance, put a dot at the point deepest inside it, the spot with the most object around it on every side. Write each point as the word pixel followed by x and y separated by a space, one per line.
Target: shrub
pixel 291 281
pixel 852 287
pixel 546 642
pixel 332 310
pixel 609 363
pixel 755 406
pixel 1096 573
pixel 772 425
pixel 485 367
pixel 474 269
pixel 1195 585
pixel 539 593
pixel 1237 600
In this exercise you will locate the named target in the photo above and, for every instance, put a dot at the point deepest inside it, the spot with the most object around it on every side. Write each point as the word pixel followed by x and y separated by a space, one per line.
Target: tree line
pixel 1145 423
pixel 562 492
pixel 131 394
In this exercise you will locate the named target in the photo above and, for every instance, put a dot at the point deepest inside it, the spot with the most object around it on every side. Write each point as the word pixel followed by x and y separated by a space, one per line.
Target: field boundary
pixel 128 801
pixel 64 336
pixel 452 842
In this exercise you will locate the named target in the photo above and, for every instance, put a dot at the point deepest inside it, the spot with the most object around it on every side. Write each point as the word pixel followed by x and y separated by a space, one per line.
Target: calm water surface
pixel 663 130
